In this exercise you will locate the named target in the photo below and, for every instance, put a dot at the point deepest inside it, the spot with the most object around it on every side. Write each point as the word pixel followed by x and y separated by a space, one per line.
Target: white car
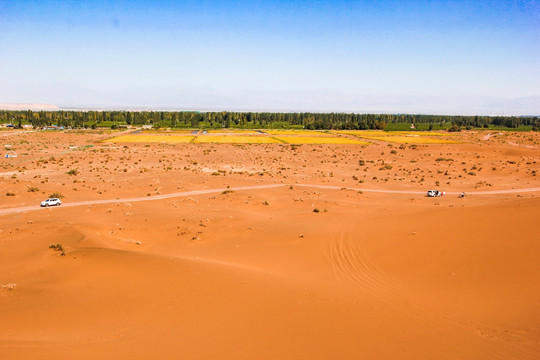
pixel 51 202
pixel 434 193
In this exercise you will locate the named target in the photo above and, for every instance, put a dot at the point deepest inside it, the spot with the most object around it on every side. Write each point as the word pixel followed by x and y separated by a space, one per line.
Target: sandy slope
pixel 255 272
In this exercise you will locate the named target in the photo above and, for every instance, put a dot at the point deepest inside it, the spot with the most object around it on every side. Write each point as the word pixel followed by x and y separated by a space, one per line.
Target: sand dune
pixel 241 266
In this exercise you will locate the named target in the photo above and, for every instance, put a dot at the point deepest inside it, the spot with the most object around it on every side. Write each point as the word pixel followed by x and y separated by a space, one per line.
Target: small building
pixel 146 127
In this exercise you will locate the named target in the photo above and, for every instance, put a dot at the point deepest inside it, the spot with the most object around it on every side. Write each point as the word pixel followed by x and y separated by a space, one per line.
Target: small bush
pixel 73 172
pixel 58 247
pixel 56 195
pixel 33 189
pixel 9 193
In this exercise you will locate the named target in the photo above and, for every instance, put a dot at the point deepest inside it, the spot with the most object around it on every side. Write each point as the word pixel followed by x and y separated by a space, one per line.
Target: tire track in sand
pixel 354 268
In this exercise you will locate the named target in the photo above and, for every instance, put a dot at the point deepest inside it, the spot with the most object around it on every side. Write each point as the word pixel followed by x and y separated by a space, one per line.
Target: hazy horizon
pixel 423 57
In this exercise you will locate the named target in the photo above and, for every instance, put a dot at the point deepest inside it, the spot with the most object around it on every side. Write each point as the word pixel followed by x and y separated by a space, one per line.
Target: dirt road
pixel 255 187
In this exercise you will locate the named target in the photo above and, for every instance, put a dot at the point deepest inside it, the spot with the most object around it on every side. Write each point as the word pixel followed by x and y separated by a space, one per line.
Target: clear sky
pixel 452 57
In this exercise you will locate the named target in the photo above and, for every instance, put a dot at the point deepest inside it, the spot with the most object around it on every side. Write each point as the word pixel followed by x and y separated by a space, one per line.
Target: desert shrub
pixel 454 128
pixel 73 172
pixel 58 247
pixel 9 193
pixel 56 195
pixel 33 189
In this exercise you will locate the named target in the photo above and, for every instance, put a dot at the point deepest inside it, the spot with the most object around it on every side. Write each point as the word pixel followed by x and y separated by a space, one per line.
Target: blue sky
pixel 452 57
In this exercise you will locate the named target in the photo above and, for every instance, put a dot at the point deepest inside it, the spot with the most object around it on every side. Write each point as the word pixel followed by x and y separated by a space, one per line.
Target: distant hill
pixel 33 107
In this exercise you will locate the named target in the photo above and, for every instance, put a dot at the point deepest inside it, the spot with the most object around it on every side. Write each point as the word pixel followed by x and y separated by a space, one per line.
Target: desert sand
pixel 267 251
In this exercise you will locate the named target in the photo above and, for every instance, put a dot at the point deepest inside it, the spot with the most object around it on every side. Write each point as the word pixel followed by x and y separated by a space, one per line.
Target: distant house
pixel 145 127
pixel 27 126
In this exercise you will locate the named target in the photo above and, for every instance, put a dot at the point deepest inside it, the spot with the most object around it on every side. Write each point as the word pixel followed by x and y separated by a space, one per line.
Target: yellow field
pixel 139 138
pixel 178 132
pixel 235 139
pixel 319 140
pixel 420 133
pixel 372 133
pixel 413 140
pixel 296 132
pixel 233 131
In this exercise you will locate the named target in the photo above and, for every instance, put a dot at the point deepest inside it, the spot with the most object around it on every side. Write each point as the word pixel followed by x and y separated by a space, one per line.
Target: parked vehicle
pixel 51 202
pixel 434 193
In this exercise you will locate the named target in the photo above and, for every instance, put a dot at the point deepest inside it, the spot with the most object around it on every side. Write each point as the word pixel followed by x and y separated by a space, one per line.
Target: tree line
pixel 225 119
